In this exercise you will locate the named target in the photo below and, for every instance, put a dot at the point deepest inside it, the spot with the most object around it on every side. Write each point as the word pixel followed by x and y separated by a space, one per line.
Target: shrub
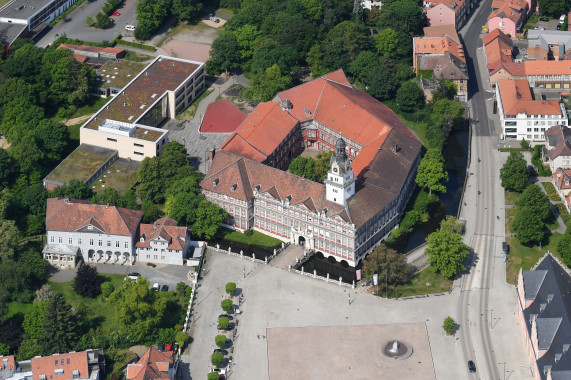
pixel 223 322
pixel 180 287
pixel 217 359
pixel 542 170
pixel 249 232
pixel 230 288
pixel 213 376
pixel 181 338
pixel 226 305
pixel 107 288
pixel 220 340
pixel 449 325
pixel 550 189
pixel 153 265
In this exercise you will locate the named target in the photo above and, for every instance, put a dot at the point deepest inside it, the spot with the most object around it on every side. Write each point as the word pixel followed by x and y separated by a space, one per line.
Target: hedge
pixel 550 189
pixel 137 45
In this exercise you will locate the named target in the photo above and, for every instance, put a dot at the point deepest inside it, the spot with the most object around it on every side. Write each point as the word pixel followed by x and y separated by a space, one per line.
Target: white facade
pixel 528 127
pixel 340 182
pixel 369 4
pixel 159 252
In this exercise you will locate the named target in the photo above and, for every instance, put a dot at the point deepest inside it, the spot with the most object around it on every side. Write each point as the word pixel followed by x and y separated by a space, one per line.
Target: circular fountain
pixel 396 349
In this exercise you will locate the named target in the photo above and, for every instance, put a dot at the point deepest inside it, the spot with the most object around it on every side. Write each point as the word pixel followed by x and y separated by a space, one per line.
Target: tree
pixel 185 9
pixel 4 349
pixel 564 248
pixel 303 167
pixel 208 218
pixel 447 113
pixel 150 16
pixel 524 144
pixel 537 201
pixel 322 165
pixel 217 359
pixel 410 96
pixel 108 196
pixel 230 288
pixel 181 338
pixel 8 169
pixel 387 42
pixel 451 224
pixel 404 15
pixel 9 235
pixel 553 8
pixel 514 174
pixel 87 282
pixel 29 348
pixel 59 328
pixel 381 84
pixel 89 21
pixel 220 340
pixel 139 309
pixel 226 305
pixel 223 322
pixel 388 264
pixel 151 211
pixel 102 21
pixel 10 335
pixel 107 288
pixel 225 54
pixel 268 83
pixel 182 206
pixel 213 376
pixel 33 324
pixel 75 189
pixel 431 172
pixel 449 325
pixel 247 37
pixel 446 252
pixel 528 226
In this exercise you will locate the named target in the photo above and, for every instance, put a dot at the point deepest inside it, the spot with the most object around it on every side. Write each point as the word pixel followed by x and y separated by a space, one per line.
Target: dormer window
pixel 90 227
pixel 58 372
pixel 215 182
pixel 234 187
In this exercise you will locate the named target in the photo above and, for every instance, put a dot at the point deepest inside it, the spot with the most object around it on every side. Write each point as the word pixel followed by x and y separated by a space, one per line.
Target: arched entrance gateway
pixel 301 241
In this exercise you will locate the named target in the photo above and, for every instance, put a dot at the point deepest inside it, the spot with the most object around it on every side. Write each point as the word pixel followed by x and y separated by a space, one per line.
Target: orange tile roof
pixel 337 76
pixel 511 9
pixel 547 67
pixel 496 33
pixel 64 214
pixel 152 365
pixel 448 3
pixel 562 178
pixel 441 30
pixel 516 99
pixel 73 361
pixel 439 45
pixel 174 235
pixel 222 116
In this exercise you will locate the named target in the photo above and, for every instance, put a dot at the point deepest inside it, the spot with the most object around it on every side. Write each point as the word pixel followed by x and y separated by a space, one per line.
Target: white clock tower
pixel 340 181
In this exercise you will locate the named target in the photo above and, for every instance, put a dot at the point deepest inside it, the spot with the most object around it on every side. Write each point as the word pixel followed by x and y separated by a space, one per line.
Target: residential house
pixel 498 49
pixel 76 229
pixel 369 4
pixel 521 116
pixel 544 310
pixel 154 364
pixel 94 55
pixel 557 150
pixel 562 182
pixel 356 208
pixel 446 12
pixel 553 44
pixel 440 55
pixel 508 15
pixel 83 365
pixel 163 242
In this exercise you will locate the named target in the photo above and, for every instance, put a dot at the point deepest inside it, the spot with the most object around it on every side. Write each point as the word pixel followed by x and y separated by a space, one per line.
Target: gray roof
pixel 10 31
pixel 23 9
pixel 445 66
pixel 544 38
pixel 551 308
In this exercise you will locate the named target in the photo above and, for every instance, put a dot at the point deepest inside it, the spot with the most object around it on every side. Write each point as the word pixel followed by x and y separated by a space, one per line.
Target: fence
pixel 241 254
pixel 326 279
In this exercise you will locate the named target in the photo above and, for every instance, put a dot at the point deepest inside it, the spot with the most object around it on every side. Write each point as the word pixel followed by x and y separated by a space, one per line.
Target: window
pixel 126 244
pixel 109 243
pixel 112 140
pixel 70 241
pixel 90 241
pixel 67 361
pixel 79 241
pixel 138 153
pixel 52 239
pixel 59 239
pixel 100 243
pixel 139 145
pixel 59 371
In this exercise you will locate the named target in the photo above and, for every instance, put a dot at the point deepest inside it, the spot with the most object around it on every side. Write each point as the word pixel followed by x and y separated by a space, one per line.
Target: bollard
pixel 302 269
pixel 241 254
pixel 217 246
pixel 353 284
pixel 289 267
pixel 283 244
pixel 253 256
pixel 327 277
pixel 314 273
pixel 274 251
pixel 266 259
pixel 229 249
pixel 340 280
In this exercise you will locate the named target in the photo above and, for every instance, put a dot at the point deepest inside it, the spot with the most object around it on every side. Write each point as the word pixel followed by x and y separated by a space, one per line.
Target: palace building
pixel 370 180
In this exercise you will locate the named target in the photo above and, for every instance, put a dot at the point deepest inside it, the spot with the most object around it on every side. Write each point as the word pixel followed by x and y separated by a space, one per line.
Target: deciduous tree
pixel 564 248
pixel 386 262
pixel 514 174
pixel 537 201
pixel 8 239
pixel 74 189
pixel 225 54
pixel 410 96
pixel 528 226
pixel 267 84
pixel 431 172
pixel 87 282
pixel 446 252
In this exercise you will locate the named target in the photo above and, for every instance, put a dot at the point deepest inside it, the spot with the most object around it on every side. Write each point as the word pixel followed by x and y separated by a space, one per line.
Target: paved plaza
pixel 348 352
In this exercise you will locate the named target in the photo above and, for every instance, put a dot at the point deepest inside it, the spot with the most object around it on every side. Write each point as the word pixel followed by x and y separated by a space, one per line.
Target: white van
pixel 129 27
pixel 562 19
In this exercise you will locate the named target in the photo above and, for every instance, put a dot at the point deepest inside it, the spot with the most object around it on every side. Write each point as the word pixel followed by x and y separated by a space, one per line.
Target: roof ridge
pixel 318 99
pixel 225 167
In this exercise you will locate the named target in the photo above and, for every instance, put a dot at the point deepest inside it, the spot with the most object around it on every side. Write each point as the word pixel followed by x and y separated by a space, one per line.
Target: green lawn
pixel 257 238
pixel 93 104
pixel 526 257
pixel 511 197
pixel 510 215
pixel 419 129
pixel 551 192
pixel 17 310
pixel 137 57
pixel 74 131
pixel 418 285
pixel 98 309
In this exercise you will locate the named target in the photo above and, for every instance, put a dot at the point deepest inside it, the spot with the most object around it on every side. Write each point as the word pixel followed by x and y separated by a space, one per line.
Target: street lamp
pixel 504 363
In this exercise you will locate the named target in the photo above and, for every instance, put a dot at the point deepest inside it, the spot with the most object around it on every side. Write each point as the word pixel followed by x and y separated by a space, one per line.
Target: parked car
pixel 214 19
pixel 471 366
pixel 164 288
pixel 220 351
pixel 226 316
pixel 115 13
pixel 544 19
pixel 229 328
pixel 156 286
pixel 559 26
pixel 562 19
pixel 130 27
pixel 221 371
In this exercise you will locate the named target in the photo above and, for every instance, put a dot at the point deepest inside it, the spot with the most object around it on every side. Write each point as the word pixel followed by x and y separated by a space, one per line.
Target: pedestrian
pixel 258 336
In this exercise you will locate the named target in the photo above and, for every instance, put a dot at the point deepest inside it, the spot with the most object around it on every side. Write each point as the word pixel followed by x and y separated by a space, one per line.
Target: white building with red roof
pixel 366 189
pixel 163 242
pixel 154 364
pixel 557 149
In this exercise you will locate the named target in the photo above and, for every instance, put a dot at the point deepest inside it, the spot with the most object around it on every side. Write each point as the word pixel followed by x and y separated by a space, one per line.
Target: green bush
pixel 217 359
pixel 153 265
pixel 213 376
pixel 542 170
pixel 416 212
pixel 181 339
pixel 533 19
pixel 226 305
pixel 230 288
pixel 220 340
pixel 223 322
pixel 249 232
pixel 551 192
pixel 137 45
pixel 449 325
pixel 180 288
pixel 107 288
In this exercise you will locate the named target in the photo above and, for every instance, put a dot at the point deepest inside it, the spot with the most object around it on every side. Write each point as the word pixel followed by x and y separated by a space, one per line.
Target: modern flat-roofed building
pixel 521 116
pixel 19 17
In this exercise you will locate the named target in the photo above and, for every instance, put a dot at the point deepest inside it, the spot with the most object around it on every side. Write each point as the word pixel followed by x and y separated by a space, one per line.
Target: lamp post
pixel 504 363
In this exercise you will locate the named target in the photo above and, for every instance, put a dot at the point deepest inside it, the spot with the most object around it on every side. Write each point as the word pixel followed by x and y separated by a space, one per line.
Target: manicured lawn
pixel 74 131
pixel 526 257
pixel 418 128
pixel 418 285
pixel 17 310
pixel 510 215
pixel 257 238
pixel 551 192
pixel 98 309
pixel 93 104
pixel 511 197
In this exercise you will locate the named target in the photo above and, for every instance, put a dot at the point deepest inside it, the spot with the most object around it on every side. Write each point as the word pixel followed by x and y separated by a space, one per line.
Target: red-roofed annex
pixel 367 187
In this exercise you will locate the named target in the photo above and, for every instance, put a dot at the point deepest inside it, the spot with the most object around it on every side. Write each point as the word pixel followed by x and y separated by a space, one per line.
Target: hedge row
pixel 137 45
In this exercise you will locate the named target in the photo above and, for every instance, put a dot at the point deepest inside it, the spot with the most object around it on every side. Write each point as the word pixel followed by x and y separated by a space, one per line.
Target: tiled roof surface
pixel 494 34
pixel 259 135
pixel 337 76
pixel 562 178
pixel 152 365
pixel 64 214
pixel 516 99
pixel 547 67
pixel 175 236
pixel 438 45
pixel 560 136
pixel 443 66
pixel 511 9
pixel 222 116
pixel 47 366
pixel 161 75
pixel 441 30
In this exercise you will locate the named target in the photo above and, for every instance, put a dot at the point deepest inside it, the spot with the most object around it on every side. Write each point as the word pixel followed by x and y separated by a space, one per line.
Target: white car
pixel 221 371
pixel 156 286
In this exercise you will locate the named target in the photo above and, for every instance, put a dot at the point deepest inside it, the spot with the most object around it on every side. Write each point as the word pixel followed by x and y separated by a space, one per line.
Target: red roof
pixel 165 228
pixel 562 178
pixel 222 117
pixel 64 214
pixel 48 365
pixel 152 365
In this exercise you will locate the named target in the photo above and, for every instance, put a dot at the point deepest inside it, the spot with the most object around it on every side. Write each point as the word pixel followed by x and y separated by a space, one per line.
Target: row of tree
pixel 151 14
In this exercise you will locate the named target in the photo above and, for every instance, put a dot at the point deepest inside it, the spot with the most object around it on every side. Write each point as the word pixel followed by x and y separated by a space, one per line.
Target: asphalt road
pixel 74 25
pixel 474 300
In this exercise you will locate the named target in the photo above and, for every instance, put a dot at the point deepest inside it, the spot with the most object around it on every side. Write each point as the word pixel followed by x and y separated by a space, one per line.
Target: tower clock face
pixel 335 170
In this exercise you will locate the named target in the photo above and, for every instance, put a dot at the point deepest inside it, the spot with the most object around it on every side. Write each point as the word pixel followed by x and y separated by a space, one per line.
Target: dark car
pixel 471 366
pixel 134 274
pixel 226 316
pixel 544 19
pixel 229 328
pixel 165 288
pixel 220 351
pixel 558 26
